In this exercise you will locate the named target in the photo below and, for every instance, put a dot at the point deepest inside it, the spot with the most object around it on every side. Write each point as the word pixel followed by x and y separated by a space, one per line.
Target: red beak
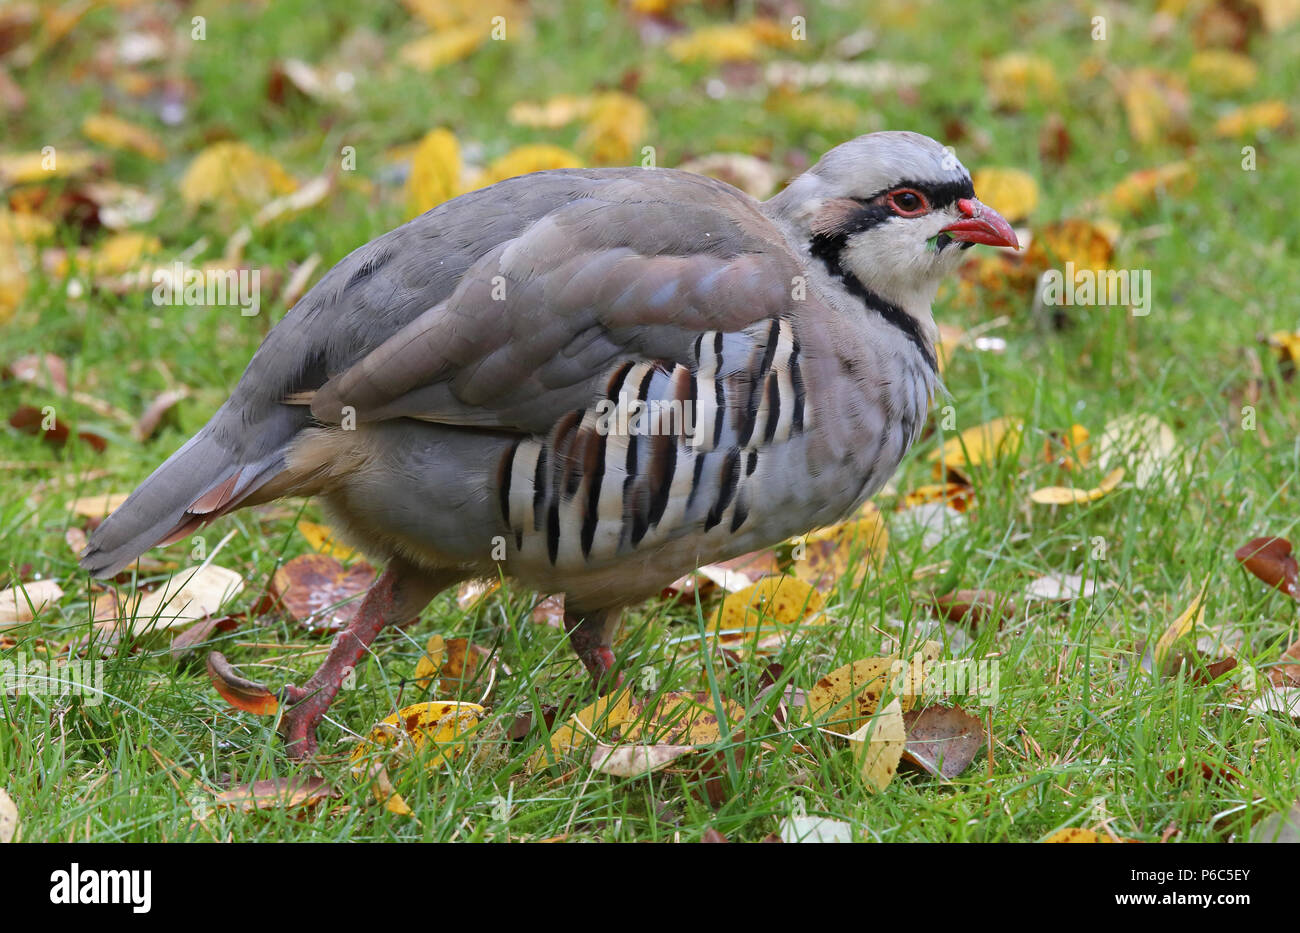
pixel 981 224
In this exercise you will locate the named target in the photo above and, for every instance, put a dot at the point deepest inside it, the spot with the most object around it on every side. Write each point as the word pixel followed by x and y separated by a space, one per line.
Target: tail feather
pixel 204 479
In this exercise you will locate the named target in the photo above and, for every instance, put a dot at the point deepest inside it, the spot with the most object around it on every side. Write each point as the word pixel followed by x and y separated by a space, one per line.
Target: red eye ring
pixel 907 202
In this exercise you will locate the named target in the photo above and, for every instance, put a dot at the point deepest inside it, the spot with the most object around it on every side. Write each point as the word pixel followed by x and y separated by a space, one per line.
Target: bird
pixel 588 381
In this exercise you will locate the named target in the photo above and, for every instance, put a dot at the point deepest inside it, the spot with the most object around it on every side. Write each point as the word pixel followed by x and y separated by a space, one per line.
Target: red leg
pixel 591 634
pixel 396 596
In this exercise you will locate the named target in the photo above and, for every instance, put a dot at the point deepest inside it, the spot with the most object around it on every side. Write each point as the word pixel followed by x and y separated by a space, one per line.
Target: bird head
pixel 890 214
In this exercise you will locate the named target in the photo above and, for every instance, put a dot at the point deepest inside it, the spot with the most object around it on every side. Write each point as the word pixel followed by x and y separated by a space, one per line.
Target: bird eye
pixel 906 202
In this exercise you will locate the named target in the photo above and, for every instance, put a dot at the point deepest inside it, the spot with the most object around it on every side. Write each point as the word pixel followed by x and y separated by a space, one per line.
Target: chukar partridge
pixel 590 381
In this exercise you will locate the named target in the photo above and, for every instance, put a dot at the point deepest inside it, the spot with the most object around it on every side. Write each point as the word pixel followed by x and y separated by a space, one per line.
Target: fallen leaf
pixel 443 47
pixel 616 125
pixel 1266 115
pixel 320 592
pixel 1076 834
pixel 117 133
pixel 97 506
pixel 1144 442
pixel 1270 559
pixel 813 829
pixel 186 597
pixel 1143 189
pixel 435 172
pixel 852 693
pixel 976 607
pixel 443 724
pixel 426 669
pixel 1065 495
pixel 277 794
pixel 1221 72
pixel 322 540
pixel 730 42
pixel 769 603
pixel 1010 191
pixel 1156 105
pixel 679 719
pixel 608 712
pixel 630 761
pixel 8 817
pixel 1190 618
pixel 524 160
pixel 878 746
pixel 1069 449
pixel 1016 80
pixel 1060 587
pixel 153 415
pixel 956 496
pixel 186 641
pixel 239 692
pixel 21 604
pixel 942 740
pixel 829 552
pixel 981 444
pixel 750 174
pixel 21 168
pixel 44 370
pixel 712 835
pixel 231 175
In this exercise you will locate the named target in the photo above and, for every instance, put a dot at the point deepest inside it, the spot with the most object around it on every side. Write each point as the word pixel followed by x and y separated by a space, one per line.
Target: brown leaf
pixel 239 692
pixel 277 793
pixel 1270 559
pixel 712 835
pixel 976 607
pixel 942 740
pixel 1288 675
pixel 195 635
pixel 320 592
pixel 153 415
pixel 44 370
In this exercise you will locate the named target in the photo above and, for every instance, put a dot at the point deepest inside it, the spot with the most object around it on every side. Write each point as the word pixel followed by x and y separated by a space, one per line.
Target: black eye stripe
pixel 939 194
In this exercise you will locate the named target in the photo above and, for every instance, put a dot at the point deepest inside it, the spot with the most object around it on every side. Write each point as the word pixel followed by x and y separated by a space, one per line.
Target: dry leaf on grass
pixel 97 506
pixel 231 176
pixel 152 416
pixel 443 724
pixel 1270 559
pixel 984 443
pixel 878 746
pixel 1065 495
pixel 1189 619
pixel 848 696
pixel 630 761
pixel 942 740
pixel 770 603
pixel 679 719
pixel 823 557
pixel 8 817
pixel 1010 191
pixel 608 712
pixel 188 596
pixel 814 829
pixel 976 607
pixel 21 604
pixel 323 541
pixel 1076 834
pixel 277 794
pixel 321 593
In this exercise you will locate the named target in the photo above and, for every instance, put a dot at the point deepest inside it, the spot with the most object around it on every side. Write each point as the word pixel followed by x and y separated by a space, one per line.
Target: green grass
pixel 1079 724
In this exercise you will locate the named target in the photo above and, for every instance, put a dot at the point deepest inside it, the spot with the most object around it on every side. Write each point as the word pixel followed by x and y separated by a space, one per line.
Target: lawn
pixel 1095 726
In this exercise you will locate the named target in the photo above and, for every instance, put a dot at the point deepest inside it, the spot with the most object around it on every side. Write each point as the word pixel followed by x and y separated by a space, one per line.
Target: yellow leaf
pixel 430 662
pixel 21 168
pixel 1193 616
pixel 123 252
pixel 1076 834
pixel 1011 192
pixel 1287 344
pixel 1146 442
pixel 13 282
pixel 1138 190
pixel 954 495
pixel 19 227
pixel 551 114
pixel 435 172
pixel 117 133
pixel 1015 80
pixel 771 601
pixel 616 125
pixel 322 539
pixel 231 175
pixel 1068 450
pixel 878 746
pixel 1251 119
pixel 609 712
pixel 1220 71
pixel 1155 103
pixel 1086 244
pixel 535 157
pixel 1064 495
pixel 732 42
pixel 981 444
pixel 827 552
pixel 443 47
pixel 680 719
pixel 441 723
pixel 97 506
